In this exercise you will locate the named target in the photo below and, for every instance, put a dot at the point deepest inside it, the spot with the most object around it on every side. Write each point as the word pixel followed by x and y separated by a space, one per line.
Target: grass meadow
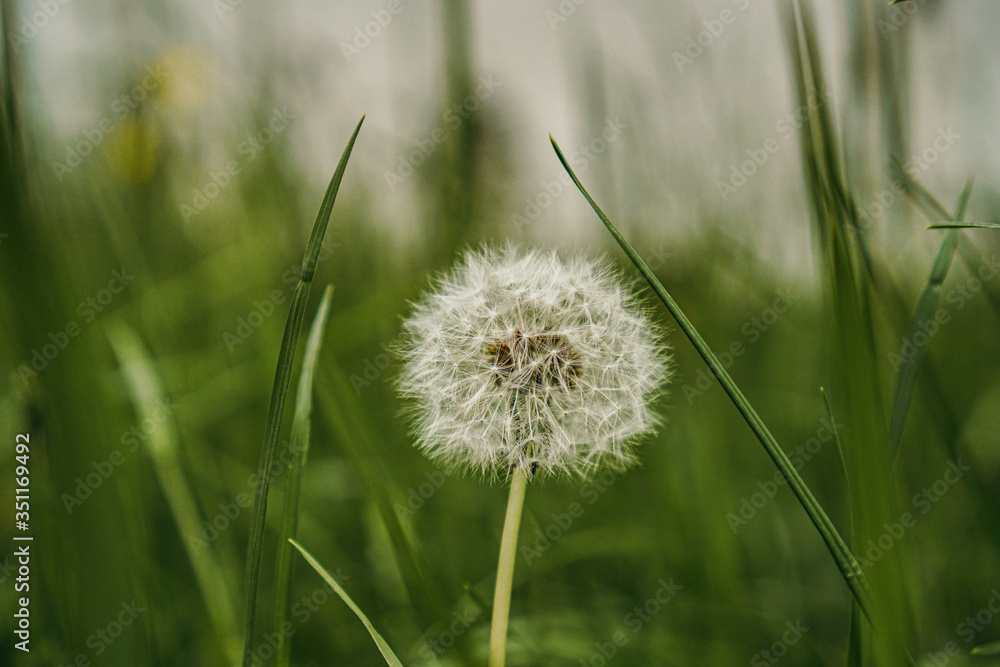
pixel 776 166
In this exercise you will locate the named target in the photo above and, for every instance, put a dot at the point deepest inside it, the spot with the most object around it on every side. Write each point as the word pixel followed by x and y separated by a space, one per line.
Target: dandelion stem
pixel 505 569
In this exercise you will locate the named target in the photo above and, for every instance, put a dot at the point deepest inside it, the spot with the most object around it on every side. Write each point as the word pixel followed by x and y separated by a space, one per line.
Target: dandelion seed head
pixel 518 359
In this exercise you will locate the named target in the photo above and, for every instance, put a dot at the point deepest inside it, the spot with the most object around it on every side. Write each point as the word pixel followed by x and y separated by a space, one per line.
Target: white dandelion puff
pixel 520 360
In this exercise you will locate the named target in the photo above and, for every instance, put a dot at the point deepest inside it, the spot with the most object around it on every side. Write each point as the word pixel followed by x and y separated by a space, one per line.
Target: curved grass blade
pixel 147 393
pixel 383 646
pixel 993 648
pixel 299 450
pixel 925 311
pixel 965 225
pixel 282 377
pixel 848 565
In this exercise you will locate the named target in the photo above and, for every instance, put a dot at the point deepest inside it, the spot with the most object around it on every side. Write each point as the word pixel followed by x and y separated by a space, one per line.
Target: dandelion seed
pixel 519 360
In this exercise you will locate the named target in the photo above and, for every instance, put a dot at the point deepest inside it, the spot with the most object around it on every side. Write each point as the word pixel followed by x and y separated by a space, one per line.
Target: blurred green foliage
pixel 107 245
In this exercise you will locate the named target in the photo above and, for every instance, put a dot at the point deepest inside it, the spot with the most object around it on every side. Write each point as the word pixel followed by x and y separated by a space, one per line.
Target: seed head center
pixel 534 360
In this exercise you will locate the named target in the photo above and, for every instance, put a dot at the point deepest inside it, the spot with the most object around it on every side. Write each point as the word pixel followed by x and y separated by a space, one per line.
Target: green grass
pixel 383 647
pixel 845 560
pixel 168 527
pixel 282 378
pixel 299 450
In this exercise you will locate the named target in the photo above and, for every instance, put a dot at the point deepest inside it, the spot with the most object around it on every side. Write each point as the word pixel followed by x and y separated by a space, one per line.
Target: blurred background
pixel 162 166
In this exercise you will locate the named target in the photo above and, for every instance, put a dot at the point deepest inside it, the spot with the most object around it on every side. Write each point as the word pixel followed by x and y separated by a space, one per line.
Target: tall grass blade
pixel 846 563
pixel 925 312
pixel 934 211
pixel 840 455
pixel 856 628
pixel 851 284
pixel 965 225
pixel 147 393
pixel 383 646
pixel 293 487
pixel 282 378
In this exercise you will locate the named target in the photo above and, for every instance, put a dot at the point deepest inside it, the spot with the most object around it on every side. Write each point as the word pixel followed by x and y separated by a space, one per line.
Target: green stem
pixel 505 569
pixel 282 377
pixel 299 449
pixel 849 567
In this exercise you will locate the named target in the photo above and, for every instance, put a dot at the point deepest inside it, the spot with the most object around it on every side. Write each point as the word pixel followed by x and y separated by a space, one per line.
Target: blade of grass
pixel 840 456
pixel 856 631
pixel 147 394
pixel 993 648
pixel 926 308
pixel 383 646
pixel 345 416
pixel 299 449
pixel 921 197
pixel 852 281
pixel 282 377
pixel 342 411
pixel 934 211
pixel 965 225
pixel 846 563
